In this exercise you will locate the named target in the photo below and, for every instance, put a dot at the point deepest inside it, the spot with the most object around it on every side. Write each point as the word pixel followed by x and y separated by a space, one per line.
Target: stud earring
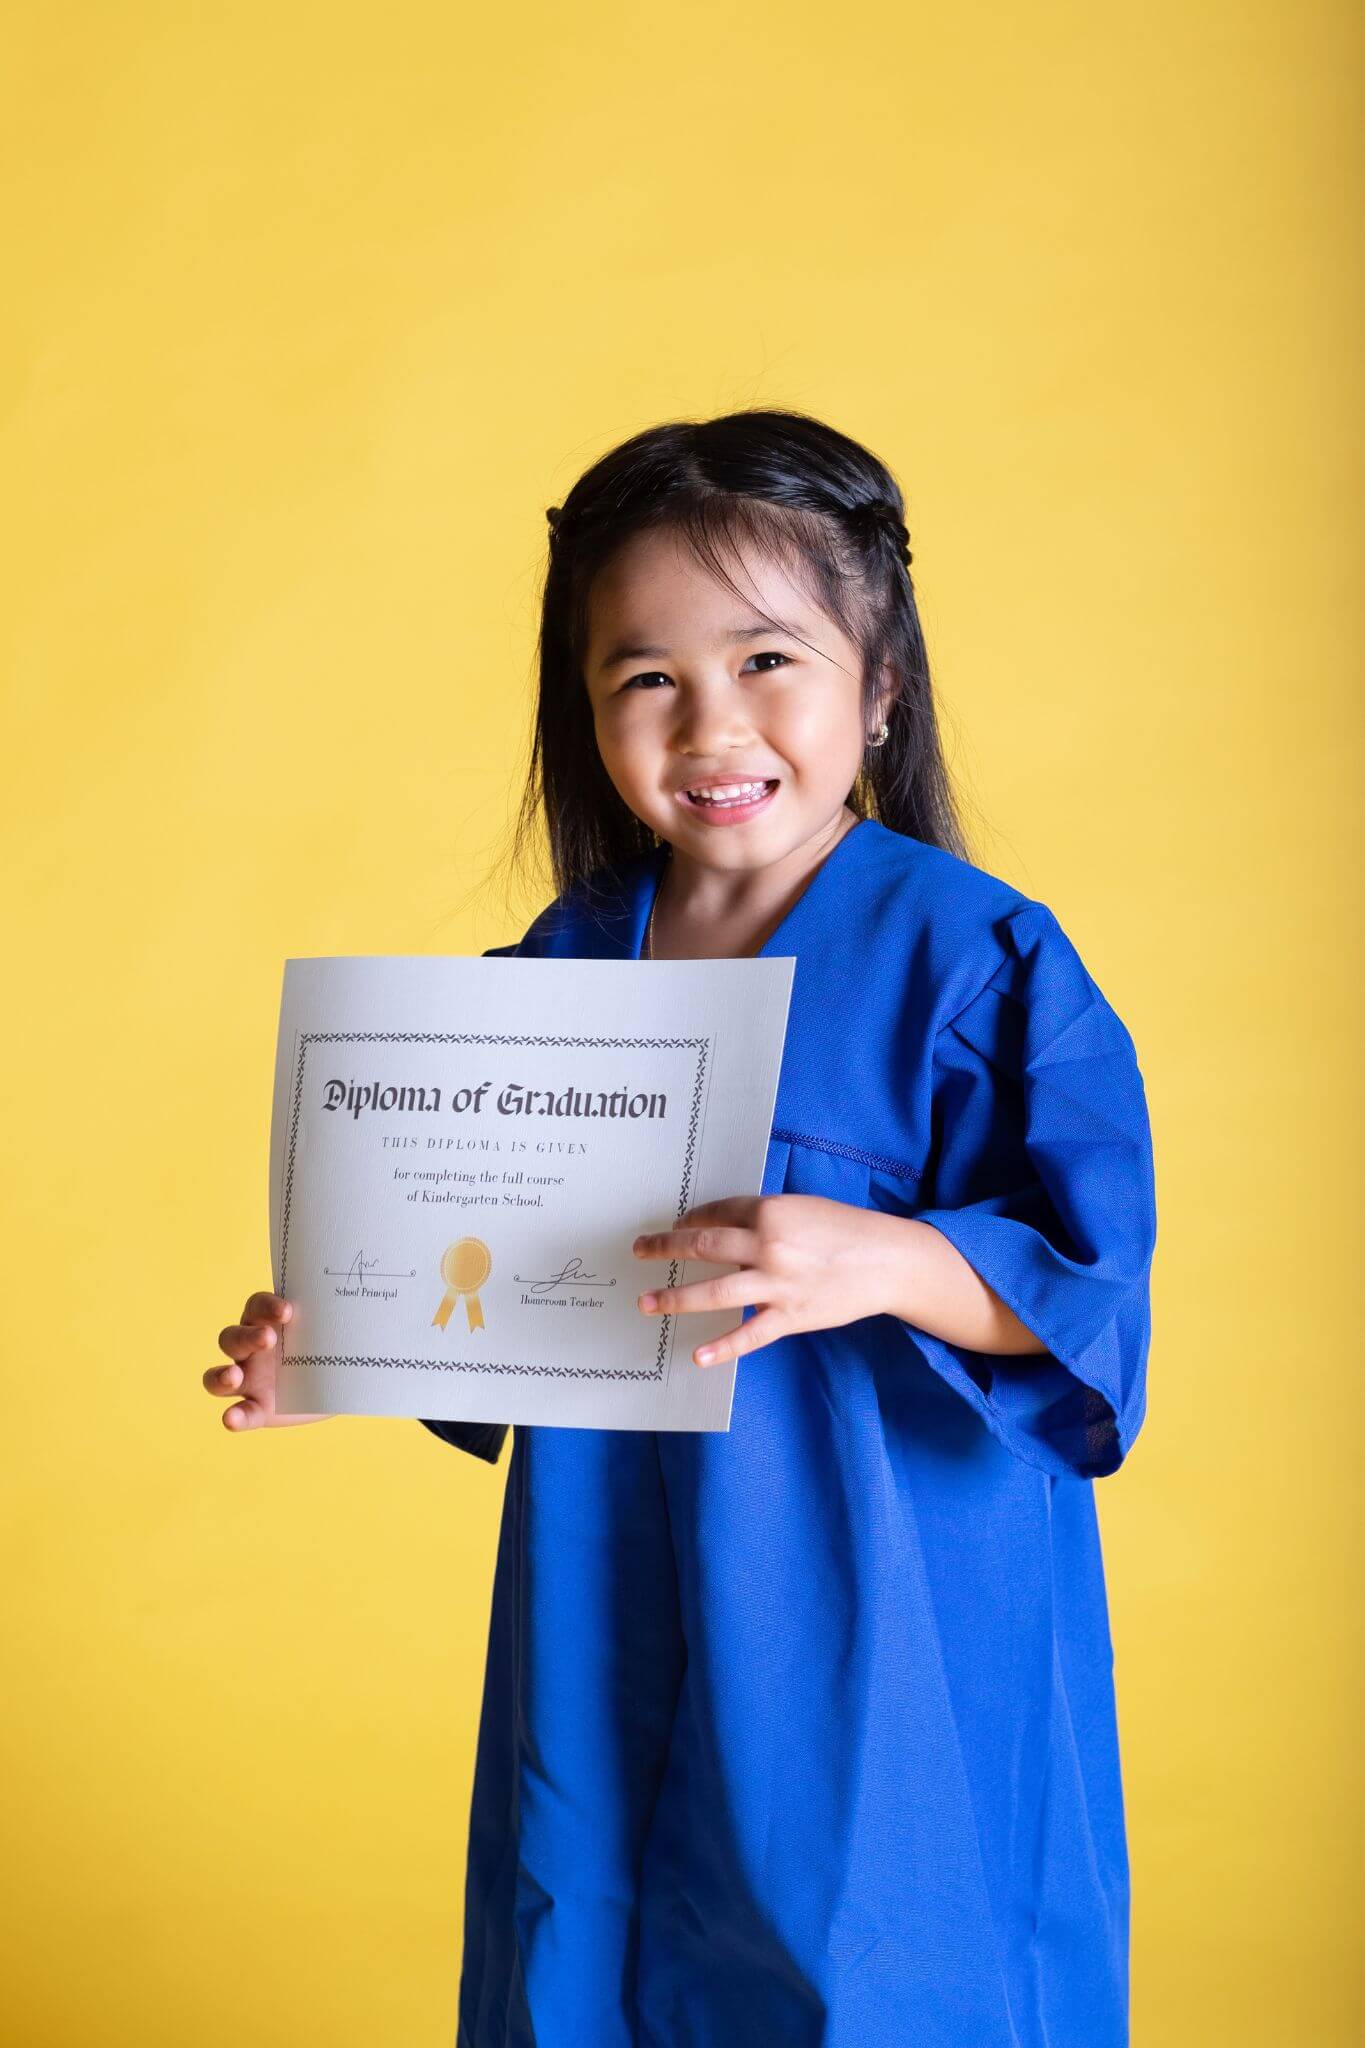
pixel 883 733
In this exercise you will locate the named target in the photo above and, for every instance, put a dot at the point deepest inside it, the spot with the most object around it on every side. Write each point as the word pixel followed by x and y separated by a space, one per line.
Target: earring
pixel 883 733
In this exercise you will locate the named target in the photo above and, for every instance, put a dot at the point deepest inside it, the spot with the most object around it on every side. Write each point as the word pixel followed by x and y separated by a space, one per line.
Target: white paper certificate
pixel 462 1154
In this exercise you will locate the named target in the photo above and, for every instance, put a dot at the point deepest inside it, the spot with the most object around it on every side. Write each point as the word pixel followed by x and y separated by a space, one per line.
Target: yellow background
pixel 310 313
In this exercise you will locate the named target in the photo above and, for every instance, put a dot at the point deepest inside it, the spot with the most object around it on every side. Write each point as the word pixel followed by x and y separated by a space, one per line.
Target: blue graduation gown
pixel 805 1733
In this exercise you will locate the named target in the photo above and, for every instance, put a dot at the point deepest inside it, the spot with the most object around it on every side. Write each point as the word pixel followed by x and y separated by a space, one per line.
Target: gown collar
pixel 801 921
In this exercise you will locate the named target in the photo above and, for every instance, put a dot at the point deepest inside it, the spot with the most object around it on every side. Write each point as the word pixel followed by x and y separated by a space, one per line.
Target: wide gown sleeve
pixel 1041 1174
pixel 481 1439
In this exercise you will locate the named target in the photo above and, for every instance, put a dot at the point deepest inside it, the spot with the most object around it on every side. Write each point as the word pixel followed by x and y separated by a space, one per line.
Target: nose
pixel 711 719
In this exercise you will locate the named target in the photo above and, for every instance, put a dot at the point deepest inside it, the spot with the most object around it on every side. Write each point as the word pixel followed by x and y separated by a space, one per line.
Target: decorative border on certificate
pixel 568 1372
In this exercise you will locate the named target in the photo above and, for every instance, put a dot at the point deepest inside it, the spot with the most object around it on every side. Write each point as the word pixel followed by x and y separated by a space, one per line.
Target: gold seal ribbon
pixel 464 1268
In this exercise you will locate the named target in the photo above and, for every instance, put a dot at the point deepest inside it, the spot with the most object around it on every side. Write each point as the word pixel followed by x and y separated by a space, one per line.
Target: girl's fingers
pixel 724 1244
pixel 731 1290
pixel 223 1379
pixel 239 1340
pixel 267 1308
pixel 254 1415
pixel 764 1328
pixel 247 1414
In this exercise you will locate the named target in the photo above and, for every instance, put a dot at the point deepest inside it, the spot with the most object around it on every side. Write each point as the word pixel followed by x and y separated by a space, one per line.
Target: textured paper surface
pixel 462 1153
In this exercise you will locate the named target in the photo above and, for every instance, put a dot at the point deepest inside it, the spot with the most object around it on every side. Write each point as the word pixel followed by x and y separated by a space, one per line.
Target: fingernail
pixel 649 1300
pixel 233 1374
pixel 704 1357
pixel 270 1337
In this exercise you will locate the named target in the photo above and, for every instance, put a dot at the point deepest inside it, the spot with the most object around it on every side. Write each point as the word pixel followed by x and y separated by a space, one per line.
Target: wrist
pixel 901 1253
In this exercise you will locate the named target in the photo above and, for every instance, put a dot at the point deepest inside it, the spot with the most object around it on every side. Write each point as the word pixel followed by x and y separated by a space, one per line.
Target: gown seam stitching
pixel 879 1160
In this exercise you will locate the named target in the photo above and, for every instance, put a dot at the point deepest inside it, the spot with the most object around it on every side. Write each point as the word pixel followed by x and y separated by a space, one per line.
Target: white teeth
pixel 728 793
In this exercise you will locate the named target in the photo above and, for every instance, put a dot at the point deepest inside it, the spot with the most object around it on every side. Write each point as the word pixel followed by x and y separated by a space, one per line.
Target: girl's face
pixel 689 685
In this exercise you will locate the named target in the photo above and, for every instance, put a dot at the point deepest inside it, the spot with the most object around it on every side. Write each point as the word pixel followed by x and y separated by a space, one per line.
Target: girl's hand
pixel 252 1345
pixel 812 1262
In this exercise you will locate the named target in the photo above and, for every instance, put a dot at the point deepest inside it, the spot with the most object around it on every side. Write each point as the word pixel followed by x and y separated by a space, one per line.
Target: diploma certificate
pixel 462 1154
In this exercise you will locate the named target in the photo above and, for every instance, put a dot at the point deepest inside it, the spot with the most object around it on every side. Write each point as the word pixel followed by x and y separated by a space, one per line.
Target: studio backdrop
pixel 311 312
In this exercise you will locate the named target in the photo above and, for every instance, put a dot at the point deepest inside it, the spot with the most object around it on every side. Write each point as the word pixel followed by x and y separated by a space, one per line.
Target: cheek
pixel 611 727
pixel 625 740
pixel 815 728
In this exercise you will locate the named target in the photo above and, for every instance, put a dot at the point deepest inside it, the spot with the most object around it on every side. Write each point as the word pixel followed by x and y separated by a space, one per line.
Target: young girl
pixel 804 1733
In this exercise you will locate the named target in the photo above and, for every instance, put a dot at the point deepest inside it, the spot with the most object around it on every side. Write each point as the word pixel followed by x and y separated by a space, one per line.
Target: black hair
pixel 803 493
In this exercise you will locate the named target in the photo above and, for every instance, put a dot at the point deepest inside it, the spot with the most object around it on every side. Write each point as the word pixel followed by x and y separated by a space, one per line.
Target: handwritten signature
pixel 362 1269
pixel 570 1274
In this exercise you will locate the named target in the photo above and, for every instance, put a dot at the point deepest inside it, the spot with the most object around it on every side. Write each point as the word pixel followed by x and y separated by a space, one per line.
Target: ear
pixel 885 696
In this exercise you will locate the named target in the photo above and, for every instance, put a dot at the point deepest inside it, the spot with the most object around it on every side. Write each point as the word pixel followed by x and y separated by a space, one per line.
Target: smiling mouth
pixel 737 796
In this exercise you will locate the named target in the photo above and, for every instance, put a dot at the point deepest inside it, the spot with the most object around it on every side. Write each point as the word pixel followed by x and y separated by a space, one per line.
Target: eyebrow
pixel 633 651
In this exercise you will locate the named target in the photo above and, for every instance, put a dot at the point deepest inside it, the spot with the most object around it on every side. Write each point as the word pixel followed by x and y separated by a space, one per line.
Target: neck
pixel 704 913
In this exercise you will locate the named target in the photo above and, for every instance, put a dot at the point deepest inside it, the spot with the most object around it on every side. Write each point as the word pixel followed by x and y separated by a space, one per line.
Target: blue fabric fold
pixel 804 1731
pixel 480 1439
pixel 1041 1175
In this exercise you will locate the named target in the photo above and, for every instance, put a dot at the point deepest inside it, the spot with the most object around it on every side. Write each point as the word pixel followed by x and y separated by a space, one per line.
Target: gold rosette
pixel 464 1268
